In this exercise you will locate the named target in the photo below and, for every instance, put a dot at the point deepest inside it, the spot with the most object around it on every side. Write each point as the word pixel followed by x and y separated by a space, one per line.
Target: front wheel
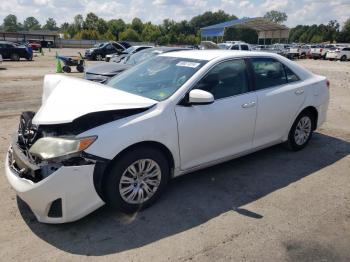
pixel 136 179
pixel 99 57
pixel 15 57
pixel 301 131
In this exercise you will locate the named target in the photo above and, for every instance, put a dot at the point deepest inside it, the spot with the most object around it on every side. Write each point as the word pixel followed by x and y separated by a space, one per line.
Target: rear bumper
pixel 72 186
pixel 322 113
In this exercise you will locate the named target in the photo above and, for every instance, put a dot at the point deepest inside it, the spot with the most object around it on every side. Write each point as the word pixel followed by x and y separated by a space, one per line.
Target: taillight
pixel 321 50
pixel 328 83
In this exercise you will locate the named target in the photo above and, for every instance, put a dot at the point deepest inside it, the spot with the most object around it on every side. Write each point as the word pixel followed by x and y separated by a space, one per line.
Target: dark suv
pixel 9 50
pixel 99 51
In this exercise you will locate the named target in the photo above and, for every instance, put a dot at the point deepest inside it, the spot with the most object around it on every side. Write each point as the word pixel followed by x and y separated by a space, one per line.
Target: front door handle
pixel 299 92
pixel 248 105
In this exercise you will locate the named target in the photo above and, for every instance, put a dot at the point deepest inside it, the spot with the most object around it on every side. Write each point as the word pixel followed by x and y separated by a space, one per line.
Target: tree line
pixel 171 32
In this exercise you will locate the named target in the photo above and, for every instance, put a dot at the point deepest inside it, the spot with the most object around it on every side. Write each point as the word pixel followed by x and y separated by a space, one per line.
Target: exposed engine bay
pixel 35 169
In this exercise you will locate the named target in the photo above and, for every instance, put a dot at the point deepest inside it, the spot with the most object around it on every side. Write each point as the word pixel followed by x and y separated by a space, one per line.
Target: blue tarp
pixel 219 29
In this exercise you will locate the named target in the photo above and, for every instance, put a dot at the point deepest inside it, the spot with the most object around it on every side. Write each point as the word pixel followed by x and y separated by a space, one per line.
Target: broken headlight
pixel 53 147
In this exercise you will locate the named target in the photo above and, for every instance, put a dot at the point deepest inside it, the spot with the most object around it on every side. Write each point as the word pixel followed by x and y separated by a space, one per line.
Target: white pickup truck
pixel 320 51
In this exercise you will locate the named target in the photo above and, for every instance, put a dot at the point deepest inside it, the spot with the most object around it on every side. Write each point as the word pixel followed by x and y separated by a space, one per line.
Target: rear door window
pixel 244 47
pixel 235 47
pixel 268 72
pixel 291 76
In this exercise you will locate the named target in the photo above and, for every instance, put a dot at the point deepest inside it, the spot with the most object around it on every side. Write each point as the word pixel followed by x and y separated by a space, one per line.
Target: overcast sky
pixel 299 11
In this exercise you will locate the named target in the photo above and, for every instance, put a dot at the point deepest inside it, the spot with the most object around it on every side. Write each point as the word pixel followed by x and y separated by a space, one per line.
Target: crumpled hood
pixel 67 98
pixel 107 68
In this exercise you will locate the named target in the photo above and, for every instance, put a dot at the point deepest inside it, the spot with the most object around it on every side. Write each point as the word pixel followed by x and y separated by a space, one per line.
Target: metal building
pixel 264 28
pixel 43 36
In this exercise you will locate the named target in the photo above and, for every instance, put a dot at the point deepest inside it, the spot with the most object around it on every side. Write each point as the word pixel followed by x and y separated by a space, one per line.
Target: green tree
pixel 78 22
pixel 210 18
pixel 90 22
pixel 89 34
pixel 137 25
pixel 344 34
pixel 50 24
pixel 276 16
pixel 151 33
pixel 241 33
pixel 102 26
pixel 116 26
pixel 10 23
pixel 31 23
pixel 129 35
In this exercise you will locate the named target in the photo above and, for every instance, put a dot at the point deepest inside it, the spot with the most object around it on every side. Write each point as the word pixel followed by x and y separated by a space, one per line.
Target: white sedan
pixel 91 144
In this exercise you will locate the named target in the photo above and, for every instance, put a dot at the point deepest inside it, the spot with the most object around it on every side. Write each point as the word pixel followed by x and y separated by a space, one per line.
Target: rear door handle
pixel 248 105
pixel 299 92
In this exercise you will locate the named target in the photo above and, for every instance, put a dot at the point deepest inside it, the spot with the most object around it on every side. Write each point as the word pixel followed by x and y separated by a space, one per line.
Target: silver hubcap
pixel 140 181
pixel 303 130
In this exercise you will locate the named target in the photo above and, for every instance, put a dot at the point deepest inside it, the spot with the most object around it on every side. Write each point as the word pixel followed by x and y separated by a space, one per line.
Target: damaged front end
pixel 27 160
pixel 59 188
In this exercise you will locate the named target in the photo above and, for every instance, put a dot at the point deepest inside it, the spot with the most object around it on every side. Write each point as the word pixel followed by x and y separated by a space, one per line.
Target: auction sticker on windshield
pixel 188 64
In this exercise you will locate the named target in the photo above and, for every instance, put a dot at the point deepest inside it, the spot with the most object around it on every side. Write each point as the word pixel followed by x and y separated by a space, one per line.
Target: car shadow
pixel 192 200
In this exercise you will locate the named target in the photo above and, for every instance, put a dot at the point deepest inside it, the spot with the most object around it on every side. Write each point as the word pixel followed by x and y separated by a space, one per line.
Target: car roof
pixel 212 54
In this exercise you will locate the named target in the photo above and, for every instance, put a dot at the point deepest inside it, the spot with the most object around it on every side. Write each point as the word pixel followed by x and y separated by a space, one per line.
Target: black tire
pixel 291 142
pixel 66 69
pixel 15 57
pixel 80 68
pixel 114 174
pixel 98 57
pixel 343 58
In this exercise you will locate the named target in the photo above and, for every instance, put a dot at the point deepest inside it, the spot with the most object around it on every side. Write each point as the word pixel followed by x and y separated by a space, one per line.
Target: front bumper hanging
pixel 66 195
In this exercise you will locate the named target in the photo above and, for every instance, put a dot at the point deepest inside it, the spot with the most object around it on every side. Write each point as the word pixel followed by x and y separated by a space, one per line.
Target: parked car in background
pixel 293 52
pixel 9 50
pixel 320 51
pixel 34 45
pixel 341 53
pixel 170 115
pixel 0 58
pixel 235 45
pixel 131 50
pixel 99 53
pixel 205 45
pixel 104 71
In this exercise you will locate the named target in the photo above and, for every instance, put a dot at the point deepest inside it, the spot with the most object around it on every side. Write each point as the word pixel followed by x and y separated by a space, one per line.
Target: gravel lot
pixel 273 205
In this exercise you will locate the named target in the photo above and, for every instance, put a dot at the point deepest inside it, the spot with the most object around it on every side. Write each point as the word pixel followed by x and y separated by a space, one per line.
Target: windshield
pixel 129 50
pixel 98 45
pixel 141 56
pixel 157 78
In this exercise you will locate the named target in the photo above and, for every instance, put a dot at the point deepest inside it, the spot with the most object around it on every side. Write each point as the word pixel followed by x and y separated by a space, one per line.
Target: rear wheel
pixel 301 131
pixel 136 179
pixel 343 58
pixel 80 68
pixel 15 57
pixel 66 69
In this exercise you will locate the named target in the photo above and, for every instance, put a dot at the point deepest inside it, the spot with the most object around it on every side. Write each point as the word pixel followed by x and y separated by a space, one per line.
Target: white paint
pixel 197 136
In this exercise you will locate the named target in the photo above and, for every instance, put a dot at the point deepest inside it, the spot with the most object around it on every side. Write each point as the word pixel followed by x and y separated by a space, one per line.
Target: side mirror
pixel 200 97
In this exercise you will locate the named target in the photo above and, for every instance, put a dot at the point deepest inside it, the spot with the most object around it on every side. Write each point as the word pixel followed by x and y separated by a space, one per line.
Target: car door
pixel 4 51
pixel 110 49
pixel 224 128
pixel 280 95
